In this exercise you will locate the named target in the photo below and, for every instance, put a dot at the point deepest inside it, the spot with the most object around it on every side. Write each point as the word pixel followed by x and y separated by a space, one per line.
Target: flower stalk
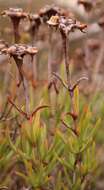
pixel 18 51
pixel 65 26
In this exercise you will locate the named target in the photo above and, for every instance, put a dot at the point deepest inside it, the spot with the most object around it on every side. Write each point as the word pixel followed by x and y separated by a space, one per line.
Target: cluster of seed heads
pixel 52 16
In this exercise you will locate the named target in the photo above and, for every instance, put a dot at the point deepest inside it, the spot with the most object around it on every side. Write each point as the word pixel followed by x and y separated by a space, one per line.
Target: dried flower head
pixel 51 10
pixel 66 24
pixel 19 50
pixel 88 4
pixel 15 50
pixel 15 14
pixel 48 11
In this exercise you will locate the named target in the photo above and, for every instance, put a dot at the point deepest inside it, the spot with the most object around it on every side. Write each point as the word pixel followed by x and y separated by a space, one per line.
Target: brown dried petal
pixel 81 27
pixel 31 50
pixel 54 21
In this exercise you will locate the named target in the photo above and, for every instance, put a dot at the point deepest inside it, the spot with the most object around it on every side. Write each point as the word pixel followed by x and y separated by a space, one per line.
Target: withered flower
pixel 88 4
pixel 18 51
pixel 51 10
pixel 48 11
pixel 35 22
pixel 66 24
pixel 15 14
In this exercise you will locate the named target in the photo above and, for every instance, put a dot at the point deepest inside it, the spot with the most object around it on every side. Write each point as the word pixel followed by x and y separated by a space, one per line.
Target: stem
pixel 61 80
pixel 25 86
pixel 87 52
pixel 34 69
pixel 34 58
pixel 68 75
pixel 19 63
pixel 10 109
pixel 18 109
pixel 50 69
pixel 65 47
pixel 16 22
pixel 50 56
